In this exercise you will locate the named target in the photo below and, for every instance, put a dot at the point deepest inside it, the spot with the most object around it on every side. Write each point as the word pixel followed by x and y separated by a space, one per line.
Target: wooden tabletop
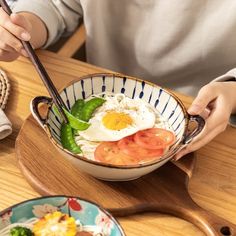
pixel 213 185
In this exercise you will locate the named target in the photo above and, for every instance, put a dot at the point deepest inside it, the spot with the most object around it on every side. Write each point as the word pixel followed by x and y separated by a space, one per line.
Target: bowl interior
pixel 88 213
pixel 166 104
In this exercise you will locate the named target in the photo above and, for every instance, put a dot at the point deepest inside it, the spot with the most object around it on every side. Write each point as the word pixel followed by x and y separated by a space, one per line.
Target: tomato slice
pixel 131 148
pixel 109 152
pixel 154 138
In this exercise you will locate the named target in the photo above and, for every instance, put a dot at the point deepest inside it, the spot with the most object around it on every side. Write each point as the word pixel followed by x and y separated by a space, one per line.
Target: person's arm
pixel 219 99
pixel 230 76
pixel 60 17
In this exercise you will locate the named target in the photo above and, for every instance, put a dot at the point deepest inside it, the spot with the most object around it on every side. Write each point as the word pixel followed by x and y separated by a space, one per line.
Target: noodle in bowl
pixel 140 104
pixel 89 141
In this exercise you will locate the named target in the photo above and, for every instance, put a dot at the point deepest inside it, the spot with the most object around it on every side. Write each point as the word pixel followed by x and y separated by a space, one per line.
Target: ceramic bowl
pixel 87 212
pixel 167 104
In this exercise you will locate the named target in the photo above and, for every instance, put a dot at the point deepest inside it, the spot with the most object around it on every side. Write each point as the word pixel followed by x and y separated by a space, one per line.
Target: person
pixel 179 46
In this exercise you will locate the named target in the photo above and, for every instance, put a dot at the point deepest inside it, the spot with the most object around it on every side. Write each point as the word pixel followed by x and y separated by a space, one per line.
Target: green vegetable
pixel 55 110
pixel 76 123
pixel 81 112
pixel 67 139
pixel 89 107
pixel 77 108
pixel 21 231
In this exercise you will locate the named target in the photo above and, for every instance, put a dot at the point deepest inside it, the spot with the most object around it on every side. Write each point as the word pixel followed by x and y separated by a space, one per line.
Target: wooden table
pixel 213 185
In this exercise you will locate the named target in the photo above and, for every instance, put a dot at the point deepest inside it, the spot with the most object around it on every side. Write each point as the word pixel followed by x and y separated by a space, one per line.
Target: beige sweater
pixel 179 44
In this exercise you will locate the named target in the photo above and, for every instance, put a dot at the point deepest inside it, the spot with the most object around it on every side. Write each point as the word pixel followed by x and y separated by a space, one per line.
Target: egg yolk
pixel 116 120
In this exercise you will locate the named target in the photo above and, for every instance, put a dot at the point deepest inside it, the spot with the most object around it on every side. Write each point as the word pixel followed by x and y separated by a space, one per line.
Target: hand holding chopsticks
pixel 41 71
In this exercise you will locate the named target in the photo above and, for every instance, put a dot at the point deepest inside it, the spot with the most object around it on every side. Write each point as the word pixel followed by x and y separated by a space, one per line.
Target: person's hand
pixel 13 28
pixel 215 102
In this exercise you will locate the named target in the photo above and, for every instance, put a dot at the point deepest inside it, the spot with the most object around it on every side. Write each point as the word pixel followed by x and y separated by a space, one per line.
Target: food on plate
pixel 52 224
pixel 109 152
pixel 76 123
pixel 77 108
pixel 117 118
pixel 120 130
pixel 89 107
pixel 130 147
pixel 21 231
pixel 68 140
pixel 154 138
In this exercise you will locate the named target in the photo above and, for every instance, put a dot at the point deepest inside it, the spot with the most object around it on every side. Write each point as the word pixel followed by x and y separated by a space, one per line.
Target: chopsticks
pixel 41 70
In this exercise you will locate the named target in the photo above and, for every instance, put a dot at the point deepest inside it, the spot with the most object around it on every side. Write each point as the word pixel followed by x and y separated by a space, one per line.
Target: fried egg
pixel 119 117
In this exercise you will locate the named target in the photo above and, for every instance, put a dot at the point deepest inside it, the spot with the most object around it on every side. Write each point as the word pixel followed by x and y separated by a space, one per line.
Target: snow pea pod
pixel 67 139
pixel 55 110
pixel 77 108
pixel 76 123
pixel 89 107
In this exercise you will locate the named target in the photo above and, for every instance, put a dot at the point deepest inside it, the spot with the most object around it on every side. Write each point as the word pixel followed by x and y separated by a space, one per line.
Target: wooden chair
pixel 73 43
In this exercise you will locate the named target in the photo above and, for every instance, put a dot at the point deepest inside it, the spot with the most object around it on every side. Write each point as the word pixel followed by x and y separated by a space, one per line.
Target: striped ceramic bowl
pixel 167 104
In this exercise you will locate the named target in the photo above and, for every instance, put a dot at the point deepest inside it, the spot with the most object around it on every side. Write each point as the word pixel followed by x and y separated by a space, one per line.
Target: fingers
pixel 206 95
pixel 215 124
pixel 202 141
pixel 23 23
pixel 8 56
pixel 16 28
pixel 13 28
pixel 7 41
pixel 205 114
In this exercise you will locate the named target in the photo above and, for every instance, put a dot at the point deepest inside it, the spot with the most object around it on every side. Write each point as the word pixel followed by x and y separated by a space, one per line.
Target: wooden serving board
pixel 165 190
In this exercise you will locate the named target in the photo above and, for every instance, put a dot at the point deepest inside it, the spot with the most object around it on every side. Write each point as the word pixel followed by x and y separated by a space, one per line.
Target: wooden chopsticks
pixel 41 70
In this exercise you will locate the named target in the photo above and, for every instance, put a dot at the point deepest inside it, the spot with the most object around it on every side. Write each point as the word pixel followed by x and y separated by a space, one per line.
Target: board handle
pixel 205 221
pixel 209 223
pixel 182 206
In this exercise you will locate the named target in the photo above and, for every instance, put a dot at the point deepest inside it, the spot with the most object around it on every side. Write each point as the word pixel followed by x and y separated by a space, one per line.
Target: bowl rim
pixel 136 166
pixel 67 196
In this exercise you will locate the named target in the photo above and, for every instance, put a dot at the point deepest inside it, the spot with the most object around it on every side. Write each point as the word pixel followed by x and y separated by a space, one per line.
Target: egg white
pixel 142 115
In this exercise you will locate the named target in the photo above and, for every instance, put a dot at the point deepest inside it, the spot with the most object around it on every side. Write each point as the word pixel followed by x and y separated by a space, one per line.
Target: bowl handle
pixel 34 107
pixel 200 125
